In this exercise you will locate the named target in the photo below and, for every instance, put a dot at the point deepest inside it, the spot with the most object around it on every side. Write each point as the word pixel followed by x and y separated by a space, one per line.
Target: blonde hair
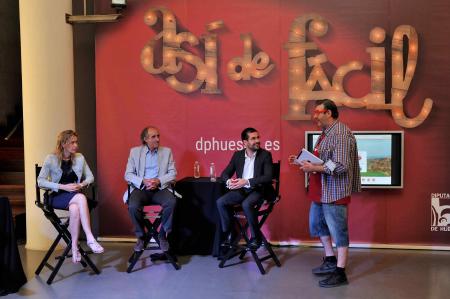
pixel 62 139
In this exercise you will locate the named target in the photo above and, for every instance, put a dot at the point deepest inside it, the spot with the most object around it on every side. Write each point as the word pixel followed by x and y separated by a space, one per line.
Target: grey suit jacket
pixel 134 173
pixel 51 172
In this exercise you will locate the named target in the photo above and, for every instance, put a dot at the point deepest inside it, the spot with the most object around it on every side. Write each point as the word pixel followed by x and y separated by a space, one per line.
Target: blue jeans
pixel 329 219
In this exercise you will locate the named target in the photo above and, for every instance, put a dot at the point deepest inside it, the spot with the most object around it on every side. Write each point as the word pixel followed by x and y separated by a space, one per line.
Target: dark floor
pixel 372 273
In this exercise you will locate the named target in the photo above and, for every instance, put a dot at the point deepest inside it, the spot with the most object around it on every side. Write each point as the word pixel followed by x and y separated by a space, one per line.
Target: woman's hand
pixel 70 187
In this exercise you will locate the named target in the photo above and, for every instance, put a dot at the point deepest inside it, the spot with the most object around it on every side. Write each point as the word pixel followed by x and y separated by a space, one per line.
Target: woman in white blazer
pixel 65 172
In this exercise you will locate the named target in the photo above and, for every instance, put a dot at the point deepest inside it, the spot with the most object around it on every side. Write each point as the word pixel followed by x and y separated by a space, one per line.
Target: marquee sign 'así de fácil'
pixel 304 72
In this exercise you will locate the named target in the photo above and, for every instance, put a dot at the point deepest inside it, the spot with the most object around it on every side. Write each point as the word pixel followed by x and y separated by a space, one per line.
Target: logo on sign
pixel 440 212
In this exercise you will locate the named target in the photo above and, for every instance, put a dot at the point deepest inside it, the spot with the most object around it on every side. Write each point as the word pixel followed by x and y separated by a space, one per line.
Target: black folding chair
pixel 152 222
pixel 61 225
pixel 236 249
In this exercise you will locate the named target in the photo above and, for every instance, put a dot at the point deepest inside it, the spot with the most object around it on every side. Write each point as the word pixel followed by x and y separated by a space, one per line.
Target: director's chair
pixel 235 249
pixel 152 222
pixel 61 225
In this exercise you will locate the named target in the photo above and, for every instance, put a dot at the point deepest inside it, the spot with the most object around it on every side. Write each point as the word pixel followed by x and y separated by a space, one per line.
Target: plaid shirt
pixel 338 150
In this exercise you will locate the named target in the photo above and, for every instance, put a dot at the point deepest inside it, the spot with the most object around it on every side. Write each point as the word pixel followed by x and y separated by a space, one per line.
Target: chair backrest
pixel 276 179
pixel 38 202
pixel 41 201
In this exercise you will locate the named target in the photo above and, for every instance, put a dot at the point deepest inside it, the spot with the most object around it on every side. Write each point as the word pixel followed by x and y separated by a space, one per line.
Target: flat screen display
pixel 380 155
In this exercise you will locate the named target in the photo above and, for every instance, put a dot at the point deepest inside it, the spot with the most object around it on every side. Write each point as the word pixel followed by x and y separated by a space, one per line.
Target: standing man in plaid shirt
pixel 330 188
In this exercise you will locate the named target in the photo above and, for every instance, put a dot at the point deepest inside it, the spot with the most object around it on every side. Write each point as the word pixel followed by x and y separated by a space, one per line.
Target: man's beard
pixel 256 146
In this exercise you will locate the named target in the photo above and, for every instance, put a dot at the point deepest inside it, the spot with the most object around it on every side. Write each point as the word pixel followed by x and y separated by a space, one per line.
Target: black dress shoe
pixel 159 256
pixel 229 239
pixel 139 246
pixel 335 279
pixel 254 243
pixel 327 267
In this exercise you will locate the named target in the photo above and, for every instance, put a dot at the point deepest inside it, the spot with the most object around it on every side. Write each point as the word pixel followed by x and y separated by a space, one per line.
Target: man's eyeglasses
pixel 320 111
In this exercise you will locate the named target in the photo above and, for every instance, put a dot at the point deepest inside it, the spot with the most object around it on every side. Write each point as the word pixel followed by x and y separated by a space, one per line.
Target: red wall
pixel 128 98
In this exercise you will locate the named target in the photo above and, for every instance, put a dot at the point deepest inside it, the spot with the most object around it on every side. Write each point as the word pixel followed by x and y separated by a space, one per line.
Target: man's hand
pixel 155 183
pixel 237 183
pixel 291 160
pixel 307 166
pixel 151 184
pixel 70 187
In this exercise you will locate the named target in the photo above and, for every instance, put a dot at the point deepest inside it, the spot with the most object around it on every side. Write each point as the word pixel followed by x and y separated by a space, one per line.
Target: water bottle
pixel 196 169
pixel 212 172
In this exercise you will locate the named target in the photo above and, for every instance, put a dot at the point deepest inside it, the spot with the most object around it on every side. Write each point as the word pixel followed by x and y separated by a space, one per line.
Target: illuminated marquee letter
pixel 299 91
pixel 243 68
pixel 401 77
pixel 301 88
pixel 206 72
pixel 377 70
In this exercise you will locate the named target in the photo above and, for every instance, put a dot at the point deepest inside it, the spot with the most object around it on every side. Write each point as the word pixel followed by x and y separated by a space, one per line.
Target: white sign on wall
pixel 440 212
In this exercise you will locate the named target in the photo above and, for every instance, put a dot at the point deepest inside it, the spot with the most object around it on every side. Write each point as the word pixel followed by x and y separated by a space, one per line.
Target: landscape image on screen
pixel 375 160
pixel 374 153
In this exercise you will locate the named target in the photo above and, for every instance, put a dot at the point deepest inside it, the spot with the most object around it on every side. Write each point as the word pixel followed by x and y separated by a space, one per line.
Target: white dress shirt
pixel 249 168
pixel 248 171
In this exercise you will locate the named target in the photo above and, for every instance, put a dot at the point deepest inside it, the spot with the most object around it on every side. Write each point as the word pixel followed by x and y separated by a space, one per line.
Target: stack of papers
pixel 305 155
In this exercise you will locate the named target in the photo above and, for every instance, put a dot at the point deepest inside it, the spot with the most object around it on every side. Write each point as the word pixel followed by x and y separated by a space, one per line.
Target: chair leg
pixel 136 255
pixel 83 263
pixel 88 261
pixel 271 252
pixel 58 265
pixel 232 251
pixel 172 260
pixel 152 233
pixel 48 254
pixel 169 256
pixel 63 234
pixel 133 260
pixel 243 230
pixel 242 255
pixel 258 261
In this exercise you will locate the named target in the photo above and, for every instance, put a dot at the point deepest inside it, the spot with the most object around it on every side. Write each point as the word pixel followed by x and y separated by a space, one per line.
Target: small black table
pixel 196 227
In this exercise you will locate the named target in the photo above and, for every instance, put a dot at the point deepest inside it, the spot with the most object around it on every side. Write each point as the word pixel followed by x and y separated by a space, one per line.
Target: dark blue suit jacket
pixel 262 176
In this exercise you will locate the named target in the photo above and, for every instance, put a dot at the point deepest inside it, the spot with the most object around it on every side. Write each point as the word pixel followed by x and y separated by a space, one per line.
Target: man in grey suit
pixel 150 170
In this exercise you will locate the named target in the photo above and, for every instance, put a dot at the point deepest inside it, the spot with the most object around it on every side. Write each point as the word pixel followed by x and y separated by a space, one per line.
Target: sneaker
pixel 327 267
pixel 139 246
pixel 334 280
pixel 163 243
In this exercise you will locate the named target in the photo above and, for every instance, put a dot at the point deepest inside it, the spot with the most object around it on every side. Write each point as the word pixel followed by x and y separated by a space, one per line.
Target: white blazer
pixel 51 172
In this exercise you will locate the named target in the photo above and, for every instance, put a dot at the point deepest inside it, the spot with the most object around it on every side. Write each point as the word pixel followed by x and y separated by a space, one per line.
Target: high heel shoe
pixel 76 255
pixel 95 247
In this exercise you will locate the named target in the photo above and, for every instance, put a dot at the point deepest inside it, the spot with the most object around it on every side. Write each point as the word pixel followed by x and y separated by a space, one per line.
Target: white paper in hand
pixel 307 156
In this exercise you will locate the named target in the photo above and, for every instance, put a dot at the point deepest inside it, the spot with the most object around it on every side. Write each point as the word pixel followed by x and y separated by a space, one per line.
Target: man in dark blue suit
pixel 251 185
